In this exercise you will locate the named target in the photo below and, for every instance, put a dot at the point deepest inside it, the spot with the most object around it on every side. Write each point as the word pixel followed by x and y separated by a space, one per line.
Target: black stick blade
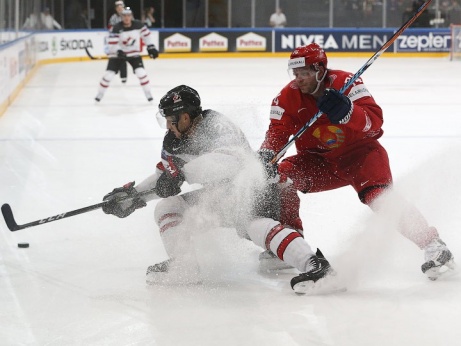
pixel 9 218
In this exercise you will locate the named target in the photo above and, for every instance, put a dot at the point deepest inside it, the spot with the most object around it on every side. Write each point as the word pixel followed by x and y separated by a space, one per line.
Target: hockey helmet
pixel 181 99
pixel 309 55
pixel 127 11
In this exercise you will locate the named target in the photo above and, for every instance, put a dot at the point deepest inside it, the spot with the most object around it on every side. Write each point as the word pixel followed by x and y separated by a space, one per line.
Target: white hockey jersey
pixel 217 156
pixel 128 39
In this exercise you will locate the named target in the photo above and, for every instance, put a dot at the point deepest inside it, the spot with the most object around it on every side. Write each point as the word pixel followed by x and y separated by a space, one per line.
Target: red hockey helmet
pixel 311 54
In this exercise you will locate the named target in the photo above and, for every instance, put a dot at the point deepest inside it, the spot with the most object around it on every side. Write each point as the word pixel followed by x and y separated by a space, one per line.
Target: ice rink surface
pixel 82 281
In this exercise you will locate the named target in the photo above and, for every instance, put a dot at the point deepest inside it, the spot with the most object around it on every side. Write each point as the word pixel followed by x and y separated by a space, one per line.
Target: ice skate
pixel 268 261
pixel 99 97
pixel 149 96
pixel 161 267
pixel 439 259
pixel 173 273
pixel 123 80
pixel 321 279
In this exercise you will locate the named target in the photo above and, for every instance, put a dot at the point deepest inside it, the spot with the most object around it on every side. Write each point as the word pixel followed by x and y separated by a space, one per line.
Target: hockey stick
pixel 94 58
pixel 353 79
pixel 104 57
pixel 13 226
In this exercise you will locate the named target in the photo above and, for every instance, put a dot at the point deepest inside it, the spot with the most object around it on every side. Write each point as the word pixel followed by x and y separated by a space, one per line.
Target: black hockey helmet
pixel 181 99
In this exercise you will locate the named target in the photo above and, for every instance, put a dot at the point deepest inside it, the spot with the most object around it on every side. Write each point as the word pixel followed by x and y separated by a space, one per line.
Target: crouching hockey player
pixel 204 147
pixel 341 148
pixel 124 45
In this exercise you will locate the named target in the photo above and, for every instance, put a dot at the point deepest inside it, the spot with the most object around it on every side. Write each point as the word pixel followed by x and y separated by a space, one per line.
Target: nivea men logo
pixel 296 62
pixel 53 218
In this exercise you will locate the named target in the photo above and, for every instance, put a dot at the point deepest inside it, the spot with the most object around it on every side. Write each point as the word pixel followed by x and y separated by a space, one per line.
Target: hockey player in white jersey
pixel 113 20
pixel 124 44
pixel 204 147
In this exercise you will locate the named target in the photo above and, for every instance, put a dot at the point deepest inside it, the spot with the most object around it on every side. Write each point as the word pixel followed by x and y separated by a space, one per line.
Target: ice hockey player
pixel 204 147
pixel 341 148
pixel 113 20
pixel 125 45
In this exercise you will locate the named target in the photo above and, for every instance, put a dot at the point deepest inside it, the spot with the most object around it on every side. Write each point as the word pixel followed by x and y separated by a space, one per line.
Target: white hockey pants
pixel 286 243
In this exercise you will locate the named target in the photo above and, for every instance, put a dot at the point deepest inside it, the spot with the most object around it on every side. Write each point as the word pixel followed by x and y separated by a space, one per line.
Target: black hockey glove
pixel 338 107
pixel 153 52
pixel 271 169
pixel 170 181
pixel 121 54
pixel 122 208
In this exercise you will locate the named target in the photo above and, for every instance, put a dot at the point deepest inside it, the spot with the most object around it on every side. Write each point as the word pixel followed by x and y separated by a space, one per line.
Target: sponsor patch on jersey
pixel 277 112
pixel 358 91
pixel 296 62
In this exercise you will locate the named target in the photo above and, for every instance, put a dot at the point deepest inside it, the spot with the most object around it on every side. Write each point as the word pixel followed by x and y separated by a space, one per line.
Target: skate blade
pixel 443 270
pixel 327 285
pixel 273 264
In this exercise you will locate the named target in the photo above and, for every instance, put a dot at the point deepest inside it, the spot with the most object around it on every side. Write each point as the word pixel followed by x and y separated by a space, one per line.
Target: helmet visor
pixel 301 72
pixel 163 118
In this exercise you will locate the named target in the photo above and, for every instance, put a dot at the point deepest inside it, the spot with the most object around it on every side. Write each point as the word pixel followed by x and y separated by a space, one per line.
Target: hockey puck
pixel 23 245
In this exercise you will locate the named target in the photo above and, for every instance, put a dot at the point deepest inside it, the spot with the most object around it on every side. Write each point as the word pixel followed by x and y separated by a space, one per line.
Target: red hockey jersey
pixel 292 109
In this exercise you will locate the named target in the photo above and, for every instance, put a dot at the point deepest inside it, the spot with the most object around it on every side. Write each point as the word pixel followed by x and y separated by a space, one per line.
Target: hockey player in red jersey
pixel 340 149
pixel 125 45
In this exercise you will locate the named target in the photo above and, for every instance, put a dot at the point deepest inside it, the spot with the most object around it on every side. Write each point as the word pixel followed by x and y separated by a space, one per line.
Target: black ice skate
pixel 319 280
pixel 161 267
pixel 99 97
pixel 174 273
pixel 148 96
pixel 439 260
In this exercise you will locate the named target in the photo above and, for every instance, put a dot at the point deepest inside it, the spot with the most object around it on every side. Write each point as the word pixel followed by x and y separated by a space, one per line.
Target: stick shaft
pixel 92 57
pixel 13 226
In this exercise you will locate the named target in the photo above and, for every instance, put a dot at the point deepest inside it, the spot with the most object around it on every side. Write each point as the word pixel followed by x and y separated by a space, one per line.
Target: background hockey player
pixel 125 45
pixel 341 148
pixel 113 20
pixel 204 147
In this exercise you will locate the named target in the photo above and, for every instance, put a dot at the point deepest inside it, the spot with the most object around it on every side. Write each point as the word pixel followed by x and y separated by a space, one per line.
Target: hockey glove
pixel 338 107
pixel 122 208
pixel 170 181
pixel 121 54
pixel 153 52
pixel 271 169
